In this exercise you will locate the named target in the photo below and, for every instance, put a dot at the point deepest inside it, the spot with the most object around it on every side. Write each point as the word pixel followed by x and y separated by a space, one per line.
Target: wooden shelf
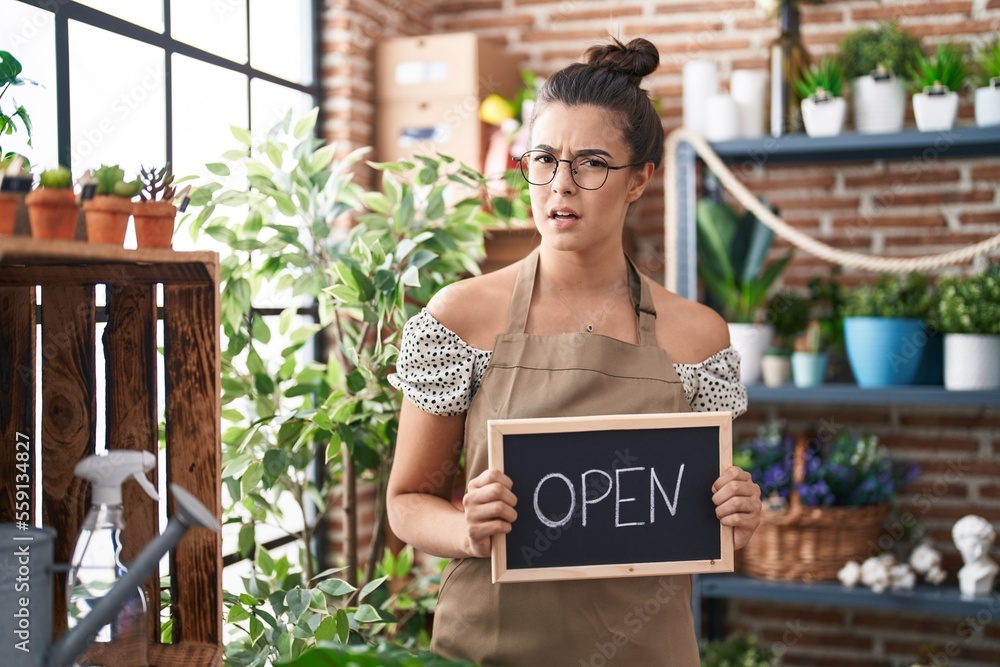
pixel 850 394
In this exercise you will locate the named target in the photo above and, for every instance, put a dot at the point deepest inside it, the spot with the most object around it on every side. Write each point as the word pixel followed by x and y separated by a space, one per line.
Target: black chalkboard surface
pixel 612 496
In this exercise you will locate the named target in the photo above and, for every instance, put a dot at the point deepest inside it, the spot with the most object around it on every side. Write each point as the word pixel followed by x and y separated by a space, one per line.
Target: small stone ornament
pixel 926 561
pixel 973 536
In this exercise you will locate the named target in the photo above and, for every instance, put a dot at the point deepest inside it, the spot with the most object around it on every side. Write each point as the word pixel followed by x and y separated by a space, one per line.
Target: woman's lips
pixel 563 218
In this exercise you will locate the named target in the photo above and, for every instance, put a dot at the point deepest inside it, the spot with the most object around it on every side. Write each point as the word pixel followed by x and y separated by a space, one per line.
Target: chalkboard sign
pixel 612 496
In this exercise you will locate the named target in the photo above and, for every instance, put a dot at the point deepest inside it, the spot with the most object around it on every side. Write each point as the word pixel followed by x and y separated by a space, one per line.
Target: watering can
pixel 26 587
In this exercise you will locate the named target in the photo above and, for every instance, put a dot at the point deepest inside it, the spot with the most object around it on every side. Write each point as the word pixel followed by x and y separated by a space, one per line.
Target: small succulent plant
pixel 111 181
pixel 944 71
pixel 59 178
pixel 987 61
pixel 157 184
pixel 822 81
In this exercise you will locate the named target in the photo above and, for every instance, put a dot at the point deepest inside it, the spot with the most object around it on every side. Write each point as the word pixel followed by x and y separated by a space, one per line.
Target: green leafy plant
pixel 970 305
pixel 738 650
pixel 110 181
pixel 987 63
pixel 862 51
pixel 811 340
pixel 59 178
pixel 788 314
pixel 10 75
pixel 363 656
pixel 946 69
pixel 906 296
pixel 827 299
pixel 732 250
pixel 157 184
pixel 822 81
pixel 273 203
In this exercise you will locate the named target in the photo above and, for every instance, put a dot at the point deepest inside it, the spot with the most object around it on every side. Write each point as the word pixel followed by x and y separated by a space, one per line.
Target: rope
pixel 797 238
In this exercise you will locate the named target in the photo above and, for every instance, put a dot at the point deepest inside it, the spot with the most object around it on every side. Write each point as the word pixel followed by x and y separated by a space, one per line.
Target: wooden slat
pixel 130 353
pixel 17 398
pixel 194 453
pixel 185 654
pixel 68 420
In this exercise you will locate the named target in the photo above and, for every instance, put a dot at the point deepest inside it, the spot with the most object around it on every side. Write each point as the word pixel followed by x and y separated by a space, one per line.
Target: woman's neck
pixel 592 270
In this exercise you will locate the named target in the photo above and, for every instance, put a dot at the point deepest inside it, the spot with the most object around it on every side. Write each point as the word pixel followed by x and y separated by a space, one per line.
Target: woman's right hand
pixel 489 510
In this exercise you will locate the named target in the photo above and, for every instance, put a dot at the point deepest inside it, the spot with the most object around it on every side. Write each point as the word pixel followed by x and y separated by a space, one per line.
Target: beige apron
pixel 633 622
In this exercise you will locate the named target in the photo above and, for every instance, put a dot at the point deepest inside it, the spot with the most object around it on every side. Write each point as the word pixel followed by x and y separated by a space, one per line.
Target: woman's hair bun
pixel 636 59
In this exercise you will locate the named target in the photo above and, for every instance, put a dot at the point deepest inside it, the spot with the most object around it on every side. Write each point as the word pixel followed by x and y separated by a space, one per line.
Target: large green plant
pixel 899 296
pixel 970 305
pixel 945 68
pixel 865 49
pixel 732 250
pixel 10 75
pixel 273 204
pixel 987 63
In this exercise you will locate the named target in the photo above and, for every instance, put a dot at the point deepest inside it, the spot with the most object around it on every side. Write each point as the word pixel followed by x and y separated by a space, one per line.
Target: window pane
pixel 281 38
pixel 270 102
pixel 216 27
pixel 147 13
pixel 207 100
pixel 29 35
pixel 118 119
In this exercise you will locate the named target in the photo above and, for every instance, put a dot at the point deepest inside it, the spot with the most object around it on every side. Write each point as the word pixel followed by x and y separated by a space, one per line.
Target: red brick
pixel 910 9
pixel 981 218
pixel 708 5
pixel 812 15
pixel 825 203
pixel 794 659
pixel 954 513
pixel 947 444
pixel 866 223
pixel 944 239
pixel 812 639
pixel 811 614
pixel 779 178
pixel 927 198
pixel 990 491
pixel 673 51
pixel 905 174
pixel 647 29
pixel 993 4
pixel 957 419
pixel 610 12
pixel 939 489
pixel 462 23
pixel 950 29
pixel 594 34
pixel 987 172
pixel 448 6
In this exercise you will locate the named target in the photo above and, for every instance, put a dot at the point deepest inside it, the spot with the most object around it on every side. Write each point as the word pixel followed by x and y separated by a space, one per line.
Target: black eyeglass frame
pixel 572 175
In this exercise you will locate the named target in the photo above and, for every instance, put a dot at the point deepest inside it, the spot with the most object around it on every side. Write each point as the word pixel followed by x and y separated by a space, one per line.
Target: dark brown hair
pixel 610 79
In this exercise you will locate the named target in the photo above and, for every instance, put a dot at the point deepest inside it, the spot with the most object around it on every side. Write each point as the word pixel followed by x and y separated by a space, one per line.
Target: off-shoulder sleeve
pixel 714 384
pixel 438 371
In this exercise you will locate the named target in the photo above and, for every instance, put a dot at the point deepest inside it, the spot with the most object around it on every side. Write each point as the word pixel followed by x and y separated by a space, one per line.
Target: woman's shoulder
pixel 476 308
pixel 691 332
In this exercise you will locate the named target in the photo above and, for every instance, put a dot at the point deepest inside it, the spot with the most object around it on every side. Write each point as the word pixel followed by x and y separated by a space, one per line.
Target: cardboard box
pixel 443 66
pixel 450 126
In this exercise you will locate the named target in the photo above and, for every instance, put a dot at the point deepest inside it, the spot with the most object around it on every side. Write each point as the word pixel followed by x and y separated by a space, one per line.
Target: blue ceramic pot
pixel 884 351
pixel 931 371
pixel 808 369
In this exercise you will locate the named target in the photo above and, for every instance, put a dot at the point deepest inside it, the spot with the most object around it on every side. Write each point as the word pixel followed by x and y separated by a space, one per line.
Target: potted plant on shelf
pixel 885 330
pixel 970 319
pixel 52 209
pixel 743 650
pixel 809 357
pixel 732 250
pixel 107 212
pixel 788 314
pixel 823 108
pixel 987 63
pixel 154 213
pixel 874 59
pixel 15 180
pixel 935 82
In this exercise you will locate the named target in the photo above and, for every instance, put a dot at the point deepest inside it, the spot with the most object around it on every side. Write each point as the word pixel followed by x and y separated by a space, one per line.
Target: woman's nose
pixel 563 180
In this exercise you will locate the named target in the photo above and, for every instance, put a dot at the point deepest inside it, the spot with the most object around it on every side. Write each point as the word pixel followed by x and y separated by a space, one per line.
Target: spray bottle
pixel 97 565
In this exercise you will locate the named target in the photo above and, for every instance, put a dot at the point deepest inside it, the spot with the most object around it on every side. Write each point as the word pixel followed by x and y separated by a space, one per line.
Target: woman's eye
pixel 543 159
pixel 591 164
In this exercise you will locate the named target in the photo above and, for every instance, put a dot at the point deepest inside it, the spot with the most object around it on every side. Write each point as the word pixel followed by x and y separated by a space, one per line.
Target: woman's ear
pixel 640 179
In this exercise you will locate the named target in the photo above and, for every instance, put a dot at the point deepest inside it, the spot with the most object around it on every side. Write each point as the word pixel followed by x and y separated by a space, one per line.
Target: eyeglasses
pixel 589 172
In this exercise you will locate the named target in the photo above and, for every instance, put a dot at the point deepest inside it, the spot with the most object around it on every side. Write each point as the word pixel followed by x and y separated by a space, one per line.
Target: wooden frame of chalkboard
pixel 550 459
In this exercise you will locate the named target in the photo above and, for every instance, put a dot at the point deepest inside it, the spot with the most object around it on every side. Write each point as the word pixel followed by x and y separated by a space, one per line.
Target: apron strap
pixel 644 310
pixel 517 316
pixel 520 301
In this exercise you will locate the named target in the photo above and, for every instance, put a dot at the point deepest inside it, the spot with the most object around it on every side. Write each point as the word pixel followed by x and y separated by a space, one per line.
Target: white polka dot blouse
pixel 440 373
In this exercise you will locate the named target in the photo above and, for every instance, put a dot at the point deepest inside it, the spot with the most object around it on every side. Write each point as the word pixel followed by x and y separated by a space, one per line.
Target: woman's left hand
pixel 737 504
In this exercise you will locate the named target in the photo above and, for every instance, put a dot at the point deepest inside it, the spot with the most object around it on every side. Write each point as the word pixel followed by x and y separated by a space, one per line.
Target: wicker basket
pixel 810 543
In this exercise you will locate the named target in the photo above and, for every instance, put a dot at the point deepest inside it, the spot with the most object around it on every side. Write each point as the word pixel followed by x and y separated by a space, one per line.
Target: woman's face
pixel 569 217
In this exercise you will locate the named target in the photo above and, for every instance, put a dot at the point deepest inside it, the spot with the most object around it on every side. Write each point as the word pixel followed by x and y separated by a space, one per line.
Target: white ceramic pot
pixel 935 113
pixel 776 369
pixel 971 362
pixel 750 340
pixel 988 106
pixel 824 119
pixel 722 118
pixel 879 105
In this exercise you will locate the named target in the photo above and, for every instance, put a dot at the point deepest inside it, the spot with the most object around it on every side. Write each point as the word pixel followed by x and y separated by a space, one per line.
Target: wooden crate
pixel 64 275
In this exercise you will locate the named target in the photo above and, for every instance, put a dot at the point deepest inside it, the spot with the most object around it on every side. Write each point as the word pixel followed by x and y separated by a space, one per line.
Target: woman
pixel 571 330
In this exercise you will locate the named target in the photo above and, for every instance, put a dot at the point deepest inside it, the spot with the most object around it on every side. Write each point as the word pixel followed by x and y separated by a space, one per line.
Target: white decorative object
pixel 973 536
pixel 875 574
pixel 850 574
pixel 701 81
pixel 902 577
pixel 722 118
pixel 925 558
pixel 936 576
pixel 987 104
pixel 934 111
pixel 824 118
pixel 750 340
pixel 971 362
pixel 879 104
pixel 749 88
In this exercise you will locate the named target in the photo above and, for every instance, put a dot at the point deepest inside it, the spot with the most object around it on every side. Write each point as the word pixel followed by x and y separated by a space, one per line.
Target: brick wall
pixel 892 208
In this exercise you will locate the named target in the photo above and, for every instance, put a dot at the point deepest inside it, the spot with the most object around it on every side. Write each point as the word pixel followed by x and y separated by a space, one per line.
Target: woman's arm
pixel 420 490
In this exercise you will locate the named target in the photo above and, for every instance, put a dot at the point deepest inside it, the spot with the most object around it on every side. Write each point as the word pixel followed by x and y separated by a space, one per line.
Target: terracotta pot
pixel 154 223
pixel 107 219
pixel 52 213
pixel 8 213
